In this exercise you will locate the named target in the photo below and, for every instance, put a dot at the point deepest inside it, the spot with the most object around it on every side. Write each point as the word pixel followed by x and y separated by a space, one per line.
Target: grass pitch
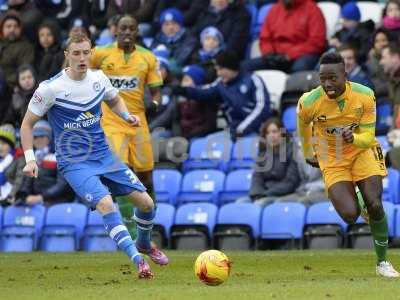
pixel 341 274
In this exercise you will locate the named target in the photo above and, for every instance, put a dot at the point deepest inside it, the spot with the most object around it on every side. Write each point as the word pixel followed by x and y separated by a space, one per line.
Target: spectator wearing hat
pixel 292 38
pixel 50 186
pixel 231 18
pixel 23 92
pixel 353 32
pixel 7 145
pixel 180 43
pixel 16 50
pixel 185 117
pixel 243 96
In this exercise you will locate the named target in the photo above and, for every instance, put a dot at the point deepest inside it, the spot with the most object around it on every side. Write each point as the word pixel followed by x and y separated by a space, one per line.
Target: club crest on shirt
pixel 358 111
pixel 96 86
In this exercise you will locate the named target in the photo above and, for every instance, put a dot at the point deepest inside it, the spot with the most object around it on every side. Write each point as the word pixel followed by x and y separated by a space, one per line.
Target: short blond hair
pixel 77 38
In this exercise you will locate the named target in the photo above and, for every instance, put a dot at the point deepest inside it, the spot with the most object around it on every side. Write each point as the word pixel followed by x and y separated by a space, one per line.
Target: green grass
pixel 342 274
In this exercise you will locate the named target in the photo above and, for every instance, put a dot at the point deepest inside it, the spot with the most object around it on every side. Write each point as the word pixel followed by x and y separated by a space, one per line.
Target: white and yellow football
pixel 212 267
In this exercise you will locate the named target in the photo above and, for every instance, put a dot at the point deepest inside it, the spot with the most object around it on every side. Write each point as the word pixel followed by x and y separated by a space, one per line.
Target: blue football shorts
pixel 93 180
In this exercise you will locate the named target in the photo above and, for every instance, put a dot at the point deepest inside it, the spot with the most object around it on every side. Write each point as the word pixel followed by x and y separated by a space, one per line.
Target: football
pixel 212 267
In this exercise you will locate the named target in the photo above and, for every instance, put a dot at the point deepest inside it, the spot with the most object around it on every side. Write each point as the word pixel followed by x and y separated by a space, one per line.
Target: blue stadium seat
pixel 211 152
pixel 384 115
pixel 63 227
pixel 22 228
pixel 163 222
pixel 253 11
pixel 289 118
pixel 167 184
pixel 95 237
pixel 390 211
pixel 391 186
pixel 283 221
pixel 262 14
pixel 237 184
pixel 324 213
pixel 194 223
pixel 244 153
pixel 201 186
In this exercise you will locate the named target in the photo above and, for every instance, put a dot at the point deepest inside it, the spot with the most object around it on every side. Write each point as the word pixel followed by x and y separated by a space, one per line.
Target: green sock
pixel 126 208
pixel 379 230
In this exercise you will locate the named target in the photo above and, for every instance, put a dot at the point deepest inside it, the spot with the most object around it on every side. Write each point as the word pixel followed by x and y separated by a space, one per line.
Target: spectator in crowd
pixel 353 32
pixel 191 9
pixel 64 11
pixel 49 55
pixel 391 17
pixel 49 187
pixel 212 43
pixel 390 62
pixel 275 173
pixel 23 92
pixel 79 25
pixel 380 39
pixel 244 97
pixel 354 71
pixel 185 117
pixel 16 50
pixel 180 42
pixel 292 37
pixel 30 16
pixel 393 155
pixel 232 19
pixel 109 35
pixel 7 145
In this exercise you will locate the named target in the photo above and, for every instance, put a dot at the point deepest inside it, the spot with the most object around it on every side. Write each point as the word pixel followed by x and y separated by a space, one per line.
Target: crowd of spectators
pixel 203 49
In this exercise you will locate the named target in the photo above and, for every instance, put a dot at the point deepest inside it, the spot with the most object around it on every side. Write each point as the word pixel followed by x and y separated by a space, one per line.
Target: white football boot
pixel 385 269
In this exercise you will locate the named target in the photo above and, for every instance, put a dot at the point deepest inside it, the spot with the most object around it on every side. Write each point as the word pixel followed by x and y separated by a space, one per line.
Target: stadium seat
pixel 95 237
pixel 201 186
pixel 22 226
pixel 384 117
pixel 63 227
pixel 244 153
pixel 359 234
pixel 382 139
pixel 331 12
pixel 238 226
pixel 253 11
pixel 391 186
pixel 289 119
pixel 237 184
pixel 163 222
pixel 275 82
pixel 211 152
pixel 166 185
pixel 371 11
pixel 261 16
pixel 324 227
pixel 194 224
pixel 283 221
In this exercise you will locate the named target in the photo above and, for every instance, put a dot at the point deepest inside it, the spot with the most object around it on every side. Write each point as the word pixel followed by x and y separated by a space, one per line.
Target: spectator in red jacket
pixel 292 37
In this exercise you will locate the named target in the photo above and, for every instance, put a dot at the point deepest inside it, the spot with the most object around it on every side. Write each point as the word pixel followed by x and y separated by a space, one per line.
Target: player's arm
pixel 365 136
pixel 118 106
pixel 40 103
pixel 304 129
pixel 155 92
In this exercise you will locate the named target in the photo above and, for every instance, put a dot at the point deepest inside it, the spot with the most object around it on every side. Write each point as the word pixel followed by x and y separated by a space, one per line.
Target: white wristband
pixel 29 155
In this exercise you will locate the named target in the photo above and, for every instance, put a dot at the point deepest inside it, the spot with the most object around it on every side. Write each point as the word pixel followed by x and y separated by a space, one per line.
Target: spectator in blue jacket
pixel 243 96
pixel 180 43
pixel 354 71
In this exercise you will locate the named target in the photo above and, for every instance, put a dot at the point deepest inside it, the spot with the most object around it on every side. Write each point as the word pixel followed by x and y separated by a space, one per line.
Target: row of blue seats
pixel 217 151
pixel 214 186
pixel 71 227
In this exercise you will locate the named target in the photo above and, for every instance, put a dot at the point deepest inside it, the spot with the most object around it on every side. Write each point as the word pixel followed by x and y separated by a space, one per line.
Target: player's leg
pixel 93 192
pixel 343 197
pixel 119 144
pixel 120 234
pixel 371 190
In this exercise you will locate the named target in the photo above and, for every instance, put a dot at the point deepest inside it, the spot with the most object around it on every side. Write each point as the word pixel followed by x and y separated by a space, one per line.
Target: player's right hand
pixel 313 162
pixel 31 169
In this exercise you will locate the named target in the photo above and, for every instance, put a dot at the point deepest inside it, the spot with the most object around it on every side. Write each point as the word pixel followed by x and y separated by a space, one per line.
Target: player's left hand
pixel 133 120
pixel 347 135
